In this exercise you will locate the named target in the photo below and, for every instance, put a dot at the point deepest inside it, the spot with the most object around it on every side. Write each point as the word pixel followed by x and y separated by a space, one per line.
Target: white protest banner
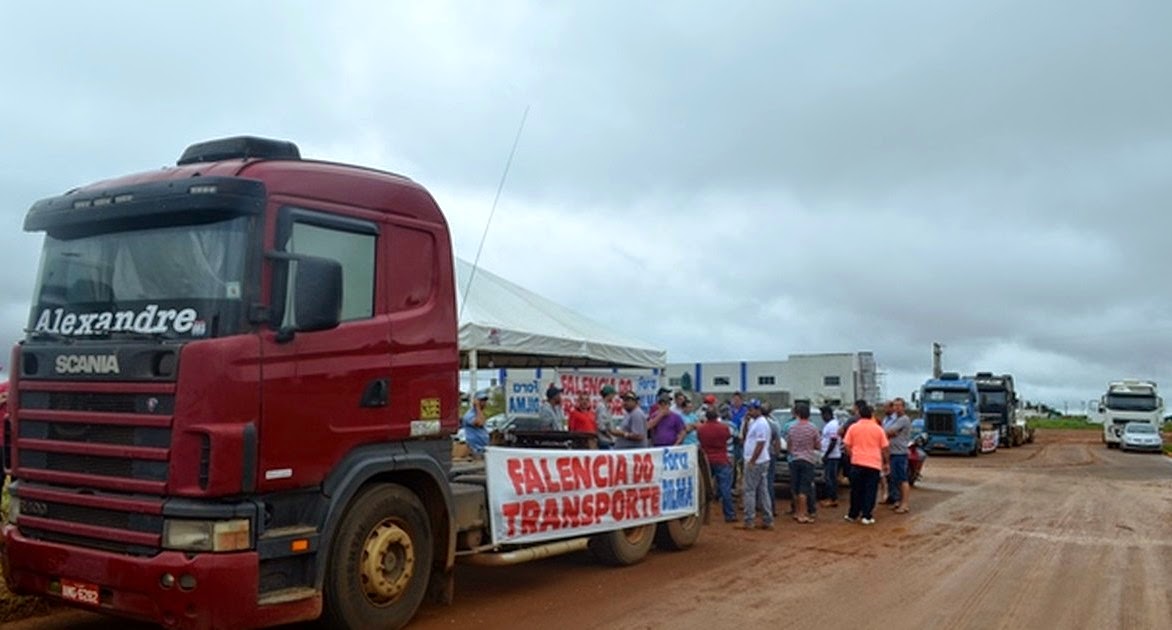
pixel 537 495
pixel 525 389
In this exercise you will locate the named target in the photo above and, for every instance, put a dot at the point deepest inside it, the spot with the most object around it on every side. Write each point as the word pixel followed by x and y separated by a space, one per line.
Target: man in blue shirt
pixel 736 417
pixel 475 433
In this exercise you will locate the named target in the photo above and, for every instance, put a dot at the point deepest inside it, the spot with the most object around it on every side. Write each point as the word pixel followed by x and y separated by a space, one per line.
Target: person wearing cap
pixel 632 431
pixel 551 415
pixel 475 431
pixel 756 495
pixel 604 419
pixel 667 427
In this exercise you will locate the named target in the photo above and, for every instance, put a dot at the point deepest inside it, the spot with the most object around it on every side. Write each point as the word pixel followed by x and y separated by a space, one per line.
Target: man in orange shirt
pixel 866 444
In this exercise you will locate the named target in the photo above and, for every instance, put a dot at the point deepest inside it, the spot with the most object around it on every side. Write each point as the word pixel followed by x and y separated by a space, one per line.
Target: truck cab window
pixel 355 252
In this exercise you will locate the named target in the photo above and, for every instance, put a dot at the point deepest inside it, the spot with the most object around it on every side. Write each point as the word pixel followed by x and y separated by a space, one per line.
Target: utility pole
pixel 937 350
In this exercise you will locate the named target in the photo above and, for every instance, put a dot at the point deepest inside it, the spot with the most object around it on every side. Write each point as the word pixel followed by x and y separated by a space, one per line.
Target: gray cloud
pixel 792 177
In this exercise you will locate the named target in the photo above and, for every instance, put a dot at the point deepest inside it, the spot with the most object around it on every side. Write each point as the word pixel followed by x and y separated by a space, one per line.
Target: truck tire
pixel 976 448
pixel 678 534
pixel 379 561
pixel 623 547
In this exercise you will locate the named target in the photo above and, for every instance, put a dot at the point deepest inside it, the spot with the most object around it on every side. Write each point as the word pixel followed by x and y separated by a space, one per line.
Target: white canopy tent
pixel 504 325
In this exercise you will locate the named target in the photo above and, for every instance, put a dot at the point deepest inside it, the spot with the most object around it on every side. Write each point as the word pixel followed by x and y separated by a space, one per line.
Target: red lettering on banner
pixel 550 484
pixel 633 502
pixel 644 468
pixel 533 482
pixel 650 499
pixel 596 467
pixel 601 505
pixel 562 464
pixel 513 467
pixel 619 478
pixel 618 506
pixel 510 512
pixel 588 510
pixel 580 471
pixel 571 511
pixel 549 517
pixel 530 512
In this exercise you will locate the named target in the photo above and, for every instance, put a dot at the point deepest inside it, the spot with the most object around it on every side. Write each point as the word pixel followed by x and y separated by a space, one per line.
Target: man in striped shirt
pixel 805 443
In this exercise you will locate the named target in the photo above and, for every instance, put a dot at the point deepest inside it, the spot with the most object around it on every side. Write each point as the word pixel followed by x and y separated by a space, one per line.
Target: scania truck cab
pixel 951 419
pixel 1126 401
pixel 234 403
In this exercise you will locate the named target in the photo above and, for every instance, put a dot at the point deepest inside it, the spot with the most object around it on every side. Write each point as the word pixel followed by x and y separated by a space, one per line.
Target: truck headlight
pixel 968 429
pixel 182 535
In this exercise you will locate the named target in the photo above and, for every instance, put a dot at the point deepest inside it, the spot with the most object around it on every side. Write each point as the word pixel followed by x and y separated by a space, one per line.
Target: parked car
pixel 1140 436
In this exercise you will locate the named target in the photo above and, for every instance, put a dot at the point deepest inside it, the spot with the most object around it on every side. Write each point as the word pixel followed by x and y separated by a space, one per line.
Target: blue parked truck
pixel 951 418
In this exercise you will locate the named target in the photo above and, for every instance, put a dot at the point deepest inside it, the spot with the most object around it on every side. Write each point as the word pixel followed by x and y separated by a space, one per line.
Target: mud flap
pixel 442 586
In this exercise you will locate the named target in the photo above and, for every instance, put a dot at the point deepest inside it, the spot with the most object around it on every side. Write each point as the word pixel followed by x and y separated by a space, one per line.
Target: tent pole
pixel 473 359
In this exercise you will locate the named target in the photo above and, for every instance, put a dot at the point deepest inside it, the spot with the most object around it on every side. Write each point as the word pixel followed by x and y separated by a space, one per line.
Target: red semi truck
pixel 234 403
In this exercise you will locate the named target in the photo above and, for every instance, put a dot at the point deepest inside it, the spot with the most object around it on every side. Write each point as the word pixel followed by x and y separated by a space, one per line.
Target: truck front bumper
pixel 224 594
pixel 950 443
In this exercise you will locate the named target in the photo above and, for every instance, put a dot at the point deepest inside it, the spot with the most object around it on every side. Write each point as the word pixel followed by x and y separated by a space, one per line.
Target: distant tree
pixel 686 382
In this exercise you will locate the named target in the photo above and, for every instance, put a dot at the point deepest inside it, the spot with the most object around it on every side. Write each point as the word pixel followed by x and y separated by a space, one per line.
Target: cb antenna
pixel 500 187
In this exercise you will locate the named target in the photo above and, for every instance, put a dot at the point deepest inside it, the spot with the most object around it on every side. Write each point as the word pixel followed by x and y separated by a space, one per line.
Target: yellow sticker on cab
pixel 429 409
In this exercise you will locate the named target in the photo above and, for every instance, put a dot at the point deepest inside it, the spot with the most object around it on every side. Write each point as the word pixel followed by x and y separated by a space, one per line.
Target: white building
pixel 834 378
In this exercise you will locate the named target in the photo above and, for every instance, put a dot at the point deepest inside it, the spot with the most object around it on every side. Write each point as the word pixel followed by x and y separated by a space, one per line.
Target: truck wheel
pixel 623 547
pixel 678 534
pixel 976 449
pixel 379 562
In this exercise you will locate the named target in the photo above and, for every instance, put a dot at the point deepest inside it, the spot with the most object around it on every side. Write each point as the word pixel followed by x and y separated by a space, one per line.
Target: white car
pixel 1141 436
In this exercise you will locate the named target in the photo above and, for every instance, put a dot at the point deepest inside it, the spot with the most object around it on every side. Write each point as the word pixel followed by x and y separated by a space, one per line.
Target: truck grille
pixel 93 464
pixel 940 422
pixel 104 518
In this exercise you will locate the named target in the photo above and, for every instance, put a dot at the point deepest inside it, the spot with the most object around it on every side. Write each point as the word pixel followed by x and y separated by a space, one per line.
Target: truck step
pixel 292 531
pixel 286 595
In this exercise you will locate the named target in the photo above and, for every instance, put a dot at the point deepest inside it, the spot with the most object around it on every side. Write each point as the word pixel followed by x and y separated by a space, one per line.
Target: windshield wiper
pixel 138 334
pixel 44 335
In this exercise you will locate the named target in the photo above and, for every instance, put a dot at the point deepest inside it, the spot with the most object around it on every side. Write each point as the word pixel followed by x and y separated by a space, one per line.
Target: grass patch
pixel 16 607
pixel 4 502
pixel 1066 422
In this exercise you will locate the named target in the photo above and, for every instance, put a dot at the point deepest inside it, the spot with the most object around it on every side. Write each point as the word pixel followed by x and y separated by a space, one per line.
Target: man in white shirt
pixel 757 456
pixel 831 456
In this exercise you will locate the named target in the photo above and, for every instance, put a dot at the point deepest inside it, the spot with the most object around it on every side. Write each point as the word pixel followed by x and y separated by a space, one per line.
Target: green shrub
pixel 1066 422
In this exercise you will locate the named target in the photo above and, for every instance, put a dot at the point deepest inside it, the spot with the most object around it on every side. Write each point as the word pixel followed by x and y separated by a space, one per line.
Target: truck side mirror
pixel 317 293
pixel 311 294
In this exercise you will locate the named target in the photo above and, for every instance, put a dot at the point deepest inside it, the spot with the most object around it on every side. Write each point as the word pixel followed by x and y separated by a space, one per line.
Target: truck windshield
pixel 173 281
pixel 1131 402
pixel 993 399
pixel 956 396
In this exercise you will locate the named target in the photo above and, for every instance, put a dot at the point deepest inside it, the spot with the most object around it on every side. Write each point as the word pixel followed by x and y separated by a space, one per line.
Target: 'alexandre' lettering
pixel 151 319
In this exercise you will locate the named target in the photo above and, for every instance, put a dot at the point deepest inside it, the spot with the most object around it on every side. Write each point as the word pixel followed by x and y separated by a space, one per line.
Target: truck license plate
pixel 79 592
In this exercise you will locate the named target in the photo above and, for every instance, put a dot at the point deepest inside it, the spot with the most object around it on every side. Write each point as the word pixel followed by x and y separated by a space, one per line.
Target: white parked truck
pixel 1129 401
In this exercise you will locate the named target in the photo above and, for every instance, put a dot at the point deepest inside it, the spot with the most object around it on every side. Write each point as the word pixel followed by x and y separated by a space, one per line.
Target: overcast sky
pixel 726 180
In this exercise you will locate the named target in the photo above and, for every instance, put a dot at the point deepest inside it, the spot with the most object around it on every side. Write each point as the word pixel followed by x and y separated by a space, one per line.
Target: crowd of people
pixel 744 446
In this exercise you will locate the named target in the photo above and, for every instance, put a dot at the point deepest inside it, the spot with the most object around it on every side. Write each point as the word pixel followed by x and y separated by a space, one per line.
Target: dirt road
pixel 1058 534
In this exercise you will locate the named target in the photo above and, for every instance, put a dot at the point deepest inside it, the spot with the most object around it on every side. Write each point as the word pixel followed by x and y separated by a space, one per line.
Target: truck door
pixel 325 392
